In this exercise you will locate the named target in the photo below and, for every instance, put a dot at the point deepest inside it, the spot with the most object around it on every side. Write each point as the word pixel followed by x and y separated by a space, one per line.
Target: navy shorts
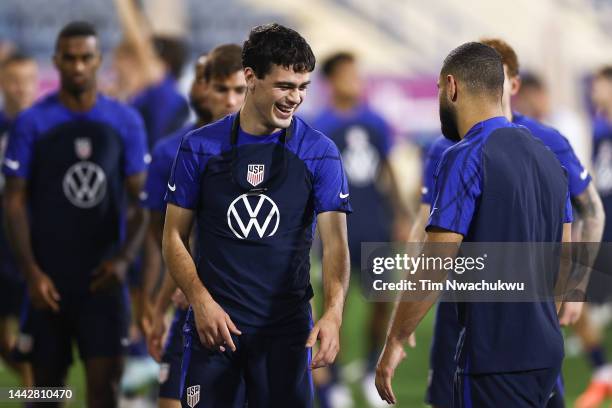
pixel 523 389
pixel 557 397
pixel 170 367
pixel 97 322
pixel 264 372
pixel 442 365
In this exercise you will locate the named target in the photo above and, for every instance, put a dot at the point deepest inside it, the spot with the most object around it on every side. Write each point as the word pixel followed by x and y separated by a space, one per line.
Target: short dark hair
pixel 223 61
pixel 478 66
pixel 76 29
pixel 529 80
pixel 275 44
pixel 16 58
pixel 507 53
pixel 605 72
pixel 332 62
pixel 173 51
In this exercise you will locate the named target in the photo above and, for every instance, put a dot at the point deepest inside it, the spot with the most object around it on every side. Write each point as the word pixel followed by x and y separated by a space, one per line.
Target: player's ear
pixel 250 77
pixel 515 85
pixel 451 88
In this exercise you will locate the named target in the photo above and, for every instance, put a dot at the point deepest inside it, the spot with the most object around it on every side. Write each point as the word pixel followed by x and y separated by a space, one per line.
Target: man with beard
pixel 73 160
pixel 217 90
pixel 584 197
pixel 492 368
pixel 257 181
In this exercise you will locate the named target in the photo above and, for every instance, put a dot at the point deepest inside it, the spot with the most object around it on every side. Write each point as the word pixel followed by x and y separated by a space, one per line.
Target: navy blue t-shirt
pixel 578 176
pixel 76 165
pixel 158 174
pixel 364 141
pixel 488 188
pixel 253 246
pixel 8 269
pixel 162 108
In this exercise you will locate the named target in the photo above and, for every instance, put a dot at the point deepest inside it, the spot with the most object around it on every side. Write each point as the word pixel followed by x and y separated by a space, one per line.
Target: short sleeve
pixel 184 184
pixel 18 156
pixel 457 187
pixel 157 180
pixel 578 177
pixel 135 139
pixel 330 185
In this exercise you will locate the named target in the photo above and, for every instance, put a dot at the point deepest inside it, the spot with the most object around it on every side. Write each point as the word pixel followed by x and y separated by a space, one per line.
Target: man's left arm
pixel 336 272
pixel 112 272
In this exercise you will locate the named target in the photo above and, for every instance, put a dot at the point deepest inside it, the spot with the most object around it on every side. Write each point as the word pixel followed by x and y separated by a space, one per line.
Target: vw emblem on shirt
pixel 243 215
pixel 85 184
pixel 360 157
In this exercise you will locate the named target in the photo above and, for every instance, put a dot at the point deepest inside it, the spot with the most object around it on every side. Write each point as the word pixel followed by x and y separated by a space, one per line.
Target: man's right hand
pixel 214 326
pixel 155 335
pixel 42 291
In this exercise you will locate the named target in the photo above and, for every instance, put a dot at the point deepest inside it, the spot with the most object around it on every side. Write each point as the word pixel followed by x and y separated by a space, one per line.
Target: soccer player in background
pixel 73 161
pixel 19 85
pixel 151 79
pixel 588 213
pixel 257 182
pixel 364 140
pixel 470 92
pixel 218 89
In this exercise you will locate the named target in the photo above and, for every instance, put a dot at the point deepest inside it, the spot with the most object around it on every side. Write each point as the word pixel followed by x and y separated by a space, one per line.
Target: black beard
pixel 448 121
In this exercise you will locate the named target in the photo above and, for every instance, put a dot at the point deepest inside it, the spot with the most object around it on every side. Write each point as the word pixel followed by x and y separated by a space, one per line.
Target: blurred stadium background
pixel 400 44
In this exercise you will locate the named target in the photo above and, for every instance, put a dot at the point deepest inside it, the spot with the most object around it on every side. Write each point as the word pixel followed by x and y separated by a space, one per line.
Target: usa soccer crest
pixel 82 148
pixel 255 174
pixel 193 395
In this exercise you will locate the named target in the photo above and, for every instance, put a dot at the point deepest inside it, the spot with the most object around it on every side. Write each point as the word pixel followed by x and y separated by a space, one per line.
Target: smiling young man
pixel 256 183
pixel 73 161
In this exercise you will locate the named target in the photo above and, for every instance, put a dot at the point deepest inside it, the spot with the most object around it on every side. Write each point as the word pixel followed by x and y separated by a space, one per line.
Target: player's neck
pixel 344 104
pixel 251 123
pixel 11 110
pixel 476 113
pixel 507 109
pixel 81 102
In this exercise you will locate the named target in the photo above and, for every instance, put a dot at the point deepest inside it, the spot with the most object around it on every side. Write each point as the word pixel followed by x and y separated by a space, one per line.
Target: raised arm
pixel 137 36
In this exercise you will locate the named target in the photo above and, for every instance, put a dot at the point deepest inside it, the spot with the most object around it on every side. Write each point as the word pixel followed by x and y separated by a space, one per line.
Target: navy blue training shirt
pixel 488 188
pixel 364 141
pixel 434 154
pixel 158 173
pixel 163 109
pixel 253 245
pixel 76 165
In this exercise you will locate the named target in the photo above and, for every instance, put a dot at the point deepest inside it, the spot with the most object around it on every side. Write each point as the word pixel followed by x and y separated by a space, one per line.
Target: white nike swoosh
pixel 584 174
pixel 432 211
pixel 344 195
pixel 172 188
pixel 12 164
